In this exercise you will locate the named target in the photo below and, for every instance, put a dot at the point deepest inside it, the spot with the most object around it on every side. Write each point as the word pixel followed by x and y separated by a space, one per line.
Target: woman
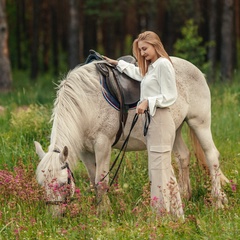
pixel 158 92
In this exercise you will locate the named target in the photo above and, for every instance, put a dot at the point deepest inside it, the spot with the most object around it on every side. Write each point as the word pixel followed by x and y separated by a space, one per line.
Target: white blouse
pixel 158 86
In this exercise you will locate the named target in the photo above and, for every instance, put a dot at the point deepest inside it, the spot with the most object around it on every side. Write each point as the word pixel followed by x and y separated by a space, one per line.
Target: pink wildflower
pixel 77 191
pixel 233 186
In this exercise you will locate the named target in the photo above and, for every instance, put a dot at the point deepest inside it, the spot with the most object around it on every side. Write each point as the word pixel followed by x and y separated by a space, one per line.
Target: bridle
pixel 70 173
pixel 69 180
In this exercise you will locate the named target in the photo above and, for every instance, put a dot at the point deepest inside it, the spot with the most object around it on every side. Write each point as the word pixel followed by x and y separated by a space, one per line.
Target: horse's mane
pixel 73 108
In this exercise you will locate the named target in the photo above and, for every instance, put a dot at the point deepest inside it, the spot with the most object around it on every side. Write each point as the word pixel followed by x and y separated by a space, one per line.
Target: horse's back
pixel 194 98
pixel 191 76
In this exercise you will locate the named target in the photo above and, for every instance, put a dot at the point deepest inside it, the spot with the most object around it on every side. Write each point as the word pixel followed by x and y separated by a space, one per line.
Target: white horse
pixel 85 127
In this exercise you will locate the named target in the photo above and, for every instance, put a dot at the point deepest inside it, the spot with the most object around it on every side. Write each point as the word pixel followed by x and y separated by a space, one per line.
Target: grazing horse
pixel 85 127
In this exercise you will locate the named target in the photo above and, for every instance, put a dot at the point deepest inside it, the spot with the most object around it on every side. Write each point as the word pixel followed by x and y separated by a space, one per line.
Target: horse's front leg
pixel 89 161
pixel 102 155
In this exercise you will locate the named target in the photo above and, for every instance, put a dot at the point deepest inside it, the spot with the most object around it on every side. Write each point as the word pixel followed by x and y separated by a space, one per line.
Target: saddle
pixel 125 90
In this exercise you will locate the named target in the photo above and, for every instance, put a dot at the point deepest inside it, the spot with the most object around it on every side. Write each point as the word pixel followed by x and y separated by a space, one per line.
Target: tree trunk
pixel 152 15
pixel 74 34
pixel 212 38
pixel 18 36
pixel 227 40
pixel 45 41
pixel 5 68
pixel 108 36
pixel 237 31
pixel 81 31
pixel 21 36
pixel 35 40
pixel 55 40
pixel 90 37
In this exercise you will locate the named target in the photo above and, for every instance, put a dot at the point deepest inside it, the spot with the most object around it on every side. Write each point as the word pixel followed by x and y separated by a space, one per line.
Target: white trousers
pixel 165 195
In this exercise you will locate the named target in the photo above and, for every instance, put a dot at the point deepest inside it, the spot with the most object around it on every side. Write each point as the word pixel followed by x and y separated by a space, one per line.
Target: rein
pixel 147 122
pixel 124 146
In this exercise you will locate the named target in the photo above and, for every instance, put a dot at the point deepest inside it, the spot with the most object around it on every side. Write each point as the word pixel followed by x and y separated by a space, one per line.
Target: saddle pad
pixel 110 98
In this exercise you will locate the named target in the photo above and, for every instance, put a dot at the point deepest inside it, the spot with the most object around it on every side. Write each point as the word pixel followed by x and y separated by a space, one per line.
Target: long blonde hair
pixel 153 39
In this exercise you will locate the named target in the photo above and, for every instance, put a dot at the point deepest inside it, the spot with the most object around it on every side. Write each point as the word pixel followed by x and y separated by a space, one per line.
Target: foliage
pixel 23 214
pixel 182 10
pixel 23 122
pixel 26 92
pixel 26 124
pixel 191 47
pixel 39 31
pixel 101 8
pixel 238 53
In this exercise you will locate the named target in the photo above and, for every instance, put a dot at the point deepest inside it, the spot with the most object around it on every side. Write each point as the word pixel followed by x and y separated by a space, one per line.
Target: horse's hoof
pixel 221 201
pixel 186 193
pixel 224 199
pixel 224 180
pixel 104 206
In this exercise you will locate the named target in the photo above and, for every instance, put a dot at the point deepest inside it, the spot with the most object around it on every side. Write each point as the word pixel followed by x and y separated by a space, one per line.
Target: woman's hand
pixel 142 107
pixel 109 60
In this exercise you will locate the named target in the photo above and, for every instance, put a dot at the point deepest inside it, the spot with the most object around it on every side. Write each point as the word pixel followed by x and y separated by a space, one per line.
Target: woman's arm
pixel 124 67
pixel 111 61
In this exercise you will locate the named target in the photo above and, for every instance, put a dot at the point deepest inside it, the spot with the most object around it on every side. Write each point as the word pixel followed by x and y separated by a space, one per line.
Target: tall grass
pixel 24 215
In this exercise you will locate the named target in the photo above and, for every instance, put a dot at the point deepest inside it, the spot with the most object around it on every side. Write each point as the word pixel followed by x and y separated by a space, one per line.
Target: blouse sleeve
pixel 130 69
pixel 166 78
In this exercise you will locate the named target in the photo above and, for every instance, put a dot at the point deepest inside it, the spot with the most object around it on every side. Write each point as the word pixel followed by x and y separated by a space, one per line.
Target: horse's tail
pixel 199 154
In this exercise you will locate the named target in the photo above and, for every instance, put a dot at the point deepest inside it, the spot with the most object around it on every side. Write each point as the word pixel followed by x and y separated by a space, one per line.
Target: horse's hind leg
pixel 201 157
pixel 182 157
pixel 204 136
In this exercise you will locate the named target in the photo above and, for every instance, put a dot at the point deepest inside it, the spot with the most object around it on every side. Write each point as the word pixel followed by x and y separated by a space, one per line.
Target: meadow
pixel 24 117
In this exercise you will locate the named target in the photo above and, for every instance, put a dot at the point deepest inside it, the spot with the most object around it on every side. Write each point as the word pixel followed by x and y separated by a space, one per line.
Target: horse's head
pixel 54 174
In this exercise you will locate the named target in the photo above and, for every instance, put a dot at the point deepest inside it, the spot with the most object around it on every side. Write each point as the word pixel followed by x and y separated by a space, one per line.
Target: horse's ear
pixel 64 154
pixel 39 150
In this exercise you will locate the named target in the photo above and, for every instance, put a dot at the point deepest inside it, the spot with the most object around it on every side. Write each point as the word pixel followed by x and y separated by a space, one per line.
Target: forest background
pixel 54 36
pixel 40 41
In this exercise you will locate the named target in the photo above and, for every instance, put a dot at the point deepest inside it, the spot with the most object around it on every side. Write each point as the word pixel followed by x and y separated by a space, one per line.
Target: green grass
pixel 26 92
pixel 23 214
